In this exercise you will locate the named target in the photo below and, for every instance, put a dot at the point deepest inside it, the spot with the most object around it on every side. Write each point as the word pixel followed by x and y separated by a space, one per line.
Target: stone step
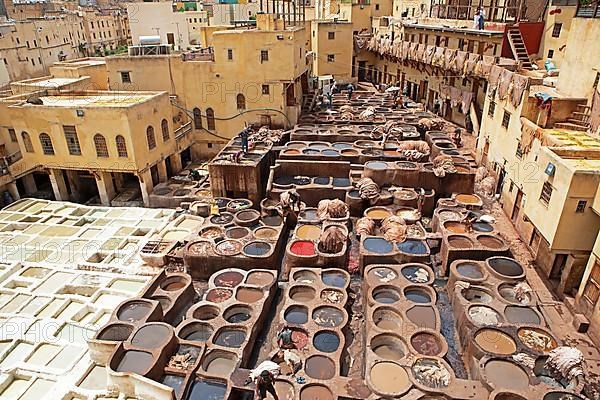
pixel 573 127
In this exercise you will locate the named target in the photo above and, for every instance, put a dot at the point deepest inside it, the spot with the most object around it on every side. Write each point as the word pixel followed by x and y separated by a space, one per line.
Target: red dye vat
pixel 303 248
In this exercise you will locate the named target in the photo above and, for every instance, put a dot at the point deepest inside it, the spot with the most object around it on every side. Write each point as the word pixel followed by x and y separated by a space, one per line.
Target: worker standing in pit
pixel 264 384
pixel 244 136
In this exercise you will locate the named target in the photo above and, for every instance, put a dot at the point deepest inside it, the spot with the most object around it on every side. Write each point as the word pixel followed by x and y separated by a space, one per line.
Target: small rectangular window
pixel 506 119
pixel 125 77
pixel 550 53
pixel 546 193
pixel 519 152
pixel 265 89
pixel 377 7
pixel 13 135
pixel 581 205
pixel 330 57
pixel 330 35
pixel 492 109
pixel 230 54
pixel 556 30
pixel 264 55
pixel 72 140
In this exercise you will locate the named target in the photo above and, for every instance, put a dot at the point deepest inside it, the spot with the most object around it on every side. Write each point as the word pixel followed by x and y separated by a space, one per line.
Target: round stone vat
pixel 134 310
pixel 389 378
pixel 378 245
pixel 272 220
pixel 495 341
pixel 305 276
pixel 491 242
pixel 506 267
pixel 302 293
pixel 151 336
pixel 221 219
pixel 320 367
pixel 257 249
pixel 211 232
pixel 386 318
pixel 386 294
pixel 218 295
pixel 537 339
pixel 382 274
pixel 219 363
pixel 228 337
pixel 476 294
pixel 309 214
pixel 507 396
pixel 228 279
pixel 328 317
pixel 237 314
pixel 326 341
pixel 431 373
pixel 484 315
pixel 470 270
pixel 115 332
pixel 260 278
pixel 206 313
pixel 332 296
pixel 460 242
pixel 174 283
pixel 455 226
pixel 416 273
pixel 229 247
pixel 334 278
pixel 522 315
pixel 427 344
pixel 196 331
pixel 422 316
pixel 377 213
pixel 303 248
pixel 506 374
pixel 249 295
pixel 388 347
pixel 413 246
pixel 238 232
pixel 468 199
pixel 509 293
pixel 296 315
pixel 134 361
pixel 316 392
pixel 482 227
pixel 247 216
pixel 266 233
pixel 417 295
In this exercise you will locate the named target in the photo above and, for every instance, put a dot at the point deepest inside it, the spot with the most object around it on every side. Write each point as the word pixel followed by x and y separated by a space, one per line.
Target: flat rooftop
pixel 90 99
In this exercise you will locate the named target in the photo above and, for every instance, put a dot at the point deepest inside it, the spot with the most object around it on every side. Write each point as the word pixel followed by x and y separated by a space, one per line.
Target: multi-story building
pixel 546 164
pixel 29 47
pixel 105 30
pixel 331 42
pixel 158 113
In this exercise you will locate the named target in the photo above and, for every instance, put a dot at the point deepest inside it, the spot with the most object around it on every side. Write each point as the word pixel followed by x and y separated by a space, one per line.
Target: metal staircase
pixel 518 47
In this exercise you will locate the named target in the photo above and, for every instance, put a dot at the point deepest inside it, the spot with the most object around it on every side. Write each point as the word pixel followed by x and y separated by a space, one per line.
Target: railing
pixel 183 130
pixel 588 11
pixel 206 54
pixel 467 12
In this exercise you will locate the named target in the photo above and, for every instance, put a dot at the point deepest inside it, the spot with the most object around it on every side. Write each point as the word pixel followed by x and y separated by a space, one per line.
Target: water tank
pixel 149 40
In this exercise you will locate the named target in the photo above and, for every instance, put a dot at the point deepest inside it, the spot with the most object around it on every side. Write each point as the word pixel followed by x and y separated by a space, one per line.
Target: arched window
pixel 164 126
pixel 241 102
pixel 210 119
pixel 121 146
pixel 101 147
pixel 46 143
pixel 27 142
pixel 197 118
pixel 150 137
